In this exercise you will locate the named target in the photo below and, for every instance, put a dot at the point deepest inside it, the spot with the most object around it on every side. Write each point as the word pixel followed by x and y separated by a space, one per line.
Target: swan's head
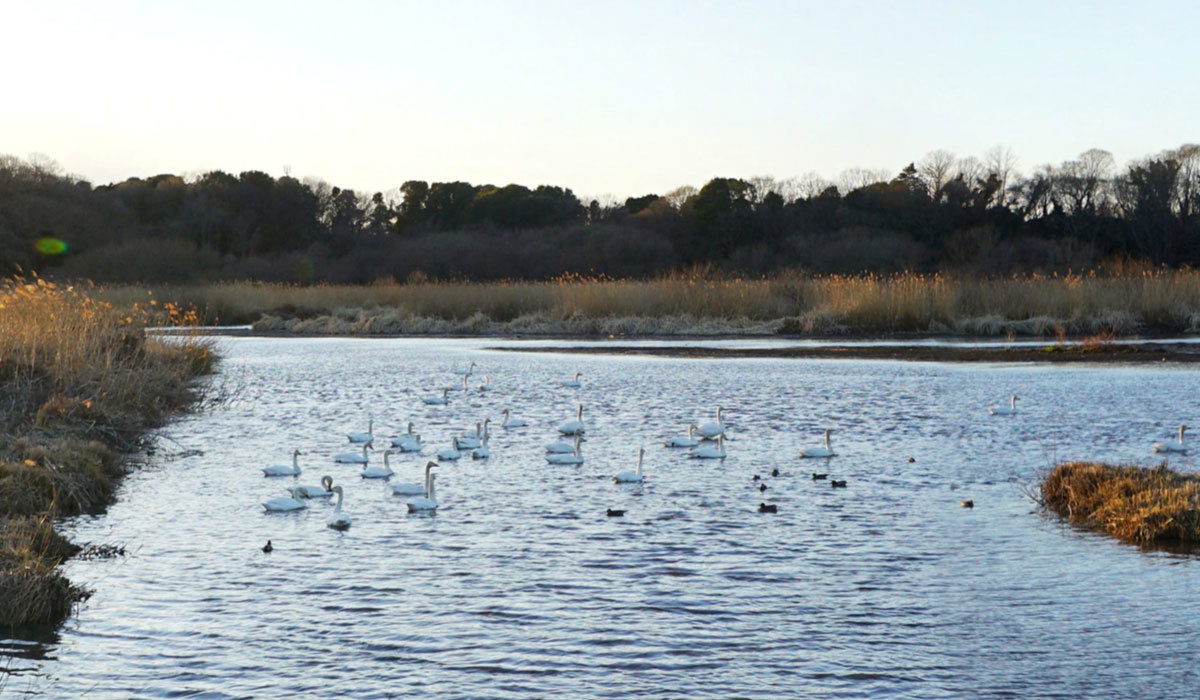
pixel 504 413
pixel 338 491
pixel 828 432
pixel 641 452
pixel 578 375
pixel 327 482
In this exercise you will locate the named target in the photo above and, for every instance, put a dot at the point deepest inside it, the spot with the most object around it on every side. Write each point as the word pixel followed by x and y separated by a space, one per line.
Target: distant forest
pixel 940 213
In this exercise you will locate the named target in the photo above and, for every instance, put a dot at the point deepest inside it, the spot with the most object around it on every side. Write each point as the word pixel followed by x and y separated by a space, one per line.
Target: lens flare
pixel 50 246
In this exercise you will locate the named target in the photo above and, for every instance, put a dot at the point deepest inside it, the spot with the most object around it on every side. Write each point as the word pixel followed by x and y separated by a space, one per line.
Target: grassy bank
pixel 1135 504
pixel 80 383
pixel 1137 301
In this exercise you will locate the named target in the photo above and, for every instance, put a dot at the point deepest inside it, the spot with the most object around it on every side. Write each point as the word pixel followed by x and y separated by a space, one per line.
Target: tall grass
pixel 79 383
pixel 1137 300
pixel 1131 503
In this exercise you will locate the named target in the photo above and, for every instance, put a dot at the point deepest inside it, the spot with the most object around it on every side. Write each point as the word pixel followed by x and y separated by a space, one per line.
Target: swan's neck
pixel 827 447
pixel 579 414
pixel 1012 403
pixel 639 466
pixel 370 426
pixel 718 416
pixel 296 457
pixel 338 507
pixel 1181 429
pixel 432 494
pixel 385 460
pixel 410 428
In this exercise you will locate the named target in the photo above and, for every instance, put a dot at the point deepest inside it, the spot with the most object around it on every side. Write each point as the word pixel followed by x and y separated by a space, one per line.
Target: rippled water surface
pixel 520 586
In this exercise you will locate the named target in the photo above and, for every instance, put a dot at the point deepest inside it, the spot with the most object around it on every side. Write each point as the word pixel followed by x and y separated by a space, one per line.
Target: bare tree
pixel 811 184
pixel 679 195
pixel 936 169
pixel 1085 183
pixel 854 178
pixel 1001 162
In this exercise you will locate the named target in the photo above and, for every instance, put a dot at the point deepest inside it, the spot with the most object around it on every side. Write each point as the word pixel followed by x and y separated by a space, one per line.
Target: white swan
pixel 408 442
pixel 437 400
pixel 690 441
pixel 283 504
pixel 448 454
pixel 573 383
pixel 634 477
pixel 575 457
pixel 429 502
pixel 470 442
pixel 284 470
pixel 826 451
pixel 367 437
pixel 710 451
pixel 486 386
pixel 384 472
pixel 573 427
pixel 482 452
pixel 711 431
pixel 414 489
pixel 511 422
pixel 1011 410
pixel 560 447
pixel 1178 447
pixel 353 457
pixel 325 490
pixel 339 520
pixel 466 372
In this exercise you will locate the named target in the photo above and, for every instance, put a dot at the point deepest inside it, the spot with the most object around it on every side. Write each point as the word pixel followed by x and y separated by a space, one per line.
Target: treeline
pixel 941 212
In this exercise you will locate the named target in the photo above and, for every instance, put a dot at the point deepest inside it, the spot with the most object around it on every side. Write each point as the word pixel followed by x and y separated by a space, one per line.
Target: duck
pixel 384 472
pixel 367 437
pixel 633 477
pixel 325 490
pixel 575 457
pixel 284 504
pixel 764 508
pixel 573 383
pixel 482 452
pixel 709 451
pixel 1011 410
pixel 711 431
pixel 826 451
pixel 353 457
pixel 1177 447
pixel 284 470
pixel 817 477
pixel 466 372
pixel 690 441
pixel 267 548
pixel 775 472
pixel 414 489
pixel 838 484
pixel 436 400
pixel 428 502
pixel 614 513
pixel 967 503
pixel 511 422
pixel 573 427
pixel 408 442
pixel 339 520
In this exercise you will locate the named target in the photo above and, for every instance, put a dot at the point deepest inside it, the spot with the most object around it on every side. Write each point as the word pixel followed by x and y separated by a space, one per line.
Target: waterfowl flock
pixel 705 441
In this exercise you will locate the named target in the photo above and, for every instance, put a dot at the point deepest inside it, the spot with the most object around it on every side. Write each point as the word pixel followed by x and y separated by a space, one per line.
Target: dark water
pixel 520 586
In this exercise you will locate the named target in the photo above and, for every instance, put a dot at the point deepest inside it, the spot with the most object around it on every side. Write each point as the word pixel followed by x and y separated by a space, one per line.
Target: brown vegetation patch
pixel 1132 503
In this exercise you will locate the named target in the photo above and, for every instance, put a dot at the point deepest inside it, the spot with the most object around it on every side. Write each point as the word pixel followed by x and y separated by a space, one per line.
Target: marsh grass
pixel 79 384
pixel 1135 504
pixel 701 302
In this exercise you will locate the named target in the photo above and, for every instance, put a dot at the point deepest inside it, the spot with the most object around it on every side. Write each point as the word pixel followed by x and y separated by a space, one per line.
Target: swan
pixel 436 400
pixel 339 520
pixel 486 386
pixel 325 490
pixel 482 452
pixel 449 454
pixel 1002 411
pixel 1179 446
pixel 634 477
pixel 466 372
pixel 414 489
pixel 408 442
pixel 826 451
pixel 428 502
pixel 367 437
pixel 353 457
pixel 283 504
pixel 710 431
pixel 573 383
pixel 283 470
pixel 384 472
pixel 690 441
pixel 511 422
pixel 573 458
pixel 710 452
pixel 573 427
pixel 560 447
pixel 469 442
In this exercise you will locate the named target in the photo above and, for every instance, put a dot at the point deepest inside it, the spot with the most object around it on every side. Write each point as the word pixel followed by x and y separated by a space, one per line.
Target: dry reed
pixel 1156 300
pixel 1134 504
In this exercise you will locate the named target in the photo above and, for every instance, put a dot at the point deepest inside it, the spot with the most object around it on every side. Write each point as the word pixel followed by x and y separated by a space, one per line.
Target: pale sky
pixel 618 97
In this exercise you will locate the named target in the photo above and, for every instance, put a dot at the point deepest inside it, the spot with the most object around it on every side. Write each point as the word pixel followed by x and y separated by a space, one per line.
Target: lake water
pixel 520 586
